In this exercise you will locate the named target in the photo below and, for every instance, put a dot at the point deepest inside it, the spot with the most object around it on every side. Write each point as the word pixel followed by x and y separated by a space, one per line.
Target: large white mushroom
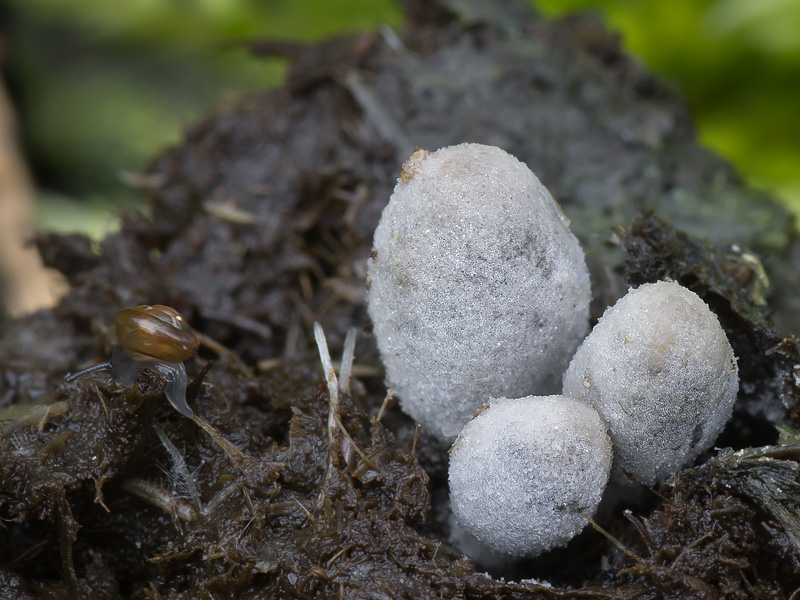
pixel 476 287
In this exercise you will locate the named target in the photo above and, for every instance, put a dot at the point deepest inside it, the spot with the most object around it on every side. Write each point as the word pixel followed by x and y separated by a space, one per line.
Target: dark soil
pixel 262 224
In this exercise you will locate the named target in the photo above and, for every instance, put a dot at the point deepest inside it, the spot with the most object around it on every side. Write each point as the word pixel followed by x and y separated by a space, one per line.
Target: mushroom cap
pixel 476 287
pixel 660 371
pixel 524 471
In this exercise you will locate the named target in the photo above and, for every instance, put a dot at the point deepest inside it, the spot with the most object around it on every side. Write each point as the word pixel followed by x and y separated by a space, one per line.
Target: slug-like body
pixel 151 337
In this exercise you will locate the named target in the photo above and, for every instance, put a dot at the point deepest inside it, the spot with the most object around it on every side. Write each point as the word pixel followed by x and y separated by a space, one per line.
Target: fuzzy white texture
pixel 661 372
pixel 476 286
pixel 523 470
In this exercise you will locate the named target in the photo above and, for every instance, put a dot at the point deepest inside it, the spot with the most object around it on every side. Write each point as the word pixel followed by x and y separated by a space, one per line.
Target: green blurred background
pixel 101 87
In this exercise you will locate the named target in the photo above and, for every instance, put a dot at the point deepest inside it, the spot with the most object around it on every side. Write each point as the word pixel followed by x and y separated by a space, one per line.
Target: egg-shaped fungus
pixel 661 372
pixel 476 286
pixel 524 471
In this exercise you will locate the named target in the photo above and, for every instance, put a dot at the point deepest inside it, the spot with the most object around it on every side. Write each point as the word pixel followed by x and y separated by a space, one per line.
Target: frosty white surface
pixel 661 372
pixel 477 288
pixel 523 470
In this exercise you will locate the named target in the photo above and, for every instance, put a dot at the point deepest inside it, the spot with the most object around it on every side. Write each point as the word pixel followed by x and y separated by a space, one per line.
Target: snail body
pixel 151 337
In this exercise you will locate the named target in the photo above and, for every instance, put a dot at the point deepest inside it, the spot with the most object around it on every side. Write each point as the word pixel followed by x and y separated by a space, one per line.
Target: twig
pixel 348 354
pixel 414 443
pixel 387 128
pixel 330 378
pixel 226 352
pixel 180 469
pixel 161 498
pixel 612 539
pixel 353 445
pixel 228 212
pixel 388 397
pixel 333 403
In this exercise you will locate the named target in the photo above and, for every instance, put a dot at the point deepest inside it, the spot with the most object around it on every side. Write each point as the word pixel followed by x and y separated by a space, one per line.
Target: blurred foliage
pixel 737 63
pixel 102 86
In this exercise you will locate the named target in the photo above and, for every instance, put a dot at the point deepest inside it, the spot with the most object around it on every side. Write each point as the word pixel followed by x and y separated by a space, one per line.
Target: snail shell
pixel 157 332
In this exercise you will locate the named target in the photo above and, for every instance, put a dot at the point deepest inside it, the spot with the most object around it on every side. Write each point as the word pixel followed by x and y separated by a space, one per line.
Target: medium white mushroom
pixel 525 471
pixel 661 372
pixel 477 288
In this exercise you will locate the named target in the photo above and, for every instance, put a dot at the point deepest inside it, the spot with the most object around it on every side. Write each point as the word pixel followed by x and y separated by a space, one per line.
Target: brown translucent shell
pixel 157 332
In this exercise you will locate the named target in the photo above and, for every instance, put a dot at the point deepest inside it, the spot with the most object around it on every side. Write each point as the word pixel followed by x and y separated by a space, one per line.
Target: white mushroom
pixel 477 288
pixel 661 372
pixel 525 471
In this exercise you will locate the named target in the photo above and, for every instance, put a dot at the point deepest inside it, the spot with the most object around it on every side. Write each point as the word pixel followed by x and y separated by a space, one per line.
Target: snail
pixel 150 337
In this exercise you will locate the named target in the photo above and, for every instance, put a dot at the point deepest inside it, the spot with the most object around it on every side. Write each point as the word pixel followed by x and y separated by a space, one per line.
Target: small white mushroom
pixel 661 372
pixel 477 288
pixel 524 471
